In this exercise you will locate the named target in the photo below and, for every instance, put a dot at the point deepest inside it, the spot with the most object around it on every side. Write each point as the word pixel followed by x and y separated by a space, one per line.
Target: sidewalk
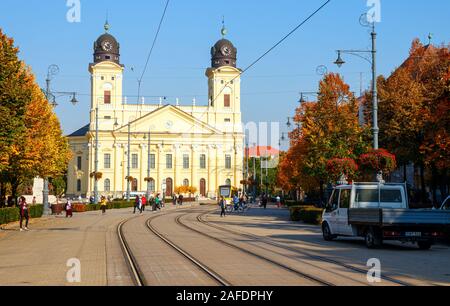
pixel 39 257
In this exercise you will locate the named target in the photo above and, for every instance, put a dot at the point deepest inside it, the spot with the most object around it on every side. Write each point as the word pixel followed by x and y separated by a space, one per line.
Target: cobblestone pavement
pixel 402 261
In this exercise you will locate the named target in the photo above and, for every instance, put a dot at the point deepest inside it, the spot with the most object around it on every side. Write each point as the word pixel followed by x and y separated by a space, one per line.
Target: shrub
pixel 11 214
pixel 36 211
pixel 295 213
pixel 309 215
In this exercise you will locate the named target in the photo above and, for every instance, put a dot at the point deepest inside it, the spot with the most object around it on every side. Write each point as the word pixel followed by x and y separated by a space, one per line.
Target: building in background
pixel 195 145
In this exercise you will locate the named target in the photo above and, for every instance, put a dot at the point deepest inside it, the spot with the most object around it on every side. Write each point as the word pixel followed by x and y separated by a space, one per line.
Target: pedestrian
pixel 264 201
pixel 144 203
pixel 136 204
pixel 140 204
pixel 103 205
pixel 223 206
pixel 279 201
pixel 24 214
pixel 69 210
pixel 180 200
pixel 158 202
pixel 236 202
pixel 174 200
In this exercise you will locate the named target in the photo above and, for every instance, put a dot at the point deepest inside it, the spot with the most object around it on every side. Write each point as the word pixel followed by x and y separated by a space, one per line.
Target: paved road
pixel 401 261
pixel 243 249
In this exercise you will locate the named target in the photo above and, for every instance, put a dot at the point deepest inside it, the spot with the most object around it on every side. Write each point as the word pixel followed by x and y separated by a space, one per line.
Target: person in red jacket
pixel 24 213
pixel 144 202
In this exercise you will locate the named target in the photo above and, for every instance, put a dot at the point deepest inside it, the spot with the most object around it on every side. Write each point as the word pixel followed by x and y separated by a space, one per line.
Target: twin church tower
pixel 198 145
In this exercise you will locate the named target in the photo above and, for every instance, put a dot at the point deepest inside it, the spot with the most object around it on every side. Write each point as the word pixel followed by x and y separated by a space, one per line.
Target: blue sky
pixel 270 90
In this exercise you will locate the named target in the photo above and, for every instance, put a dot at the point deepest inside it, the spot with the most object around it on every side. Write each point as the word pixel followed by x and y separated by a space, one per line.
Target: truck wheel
pixel 327 236
pixel 425 245
pixel 373 240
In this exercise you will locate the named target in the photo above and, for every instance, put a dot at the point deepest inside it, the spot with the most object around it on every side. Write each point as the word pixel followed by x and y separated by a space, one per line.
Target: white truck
pixel 380 212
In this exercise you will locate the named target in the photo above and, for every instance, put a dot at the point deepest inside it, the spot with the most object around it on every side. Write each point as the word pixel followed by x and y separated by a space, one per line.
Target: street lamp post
pixel 149 165
pixel 96 158
pixel 339 62
pixel 52 71
pixel 129 164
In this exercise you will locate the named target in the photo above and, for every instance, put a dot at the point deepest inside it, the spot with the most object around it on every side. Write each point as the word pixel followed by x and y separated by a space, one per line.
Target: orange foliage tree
pixel 329 129
pixel 31 143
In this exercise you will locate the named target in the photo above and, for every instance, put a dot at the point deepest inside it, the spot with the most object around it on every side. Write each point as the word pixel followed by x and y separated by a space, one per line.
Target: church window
pixel 169 161
pixel 78 185
pixel 79 163
pixel 203 161
pixel 228 162
pixel 113 78
pixel 227 100
pixel 227 120
pixel 186 161
pixel 152 161
pixel 107 97
pixel 107 159
pixel 186 183
pixel 103 78
pixel 134 161
pixel 107 185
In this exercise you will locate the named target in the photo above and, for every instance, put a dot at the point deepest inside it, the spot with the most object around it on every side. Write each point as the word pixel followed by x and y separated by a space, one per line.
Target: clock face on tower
pixel 226 51
pixel 107 46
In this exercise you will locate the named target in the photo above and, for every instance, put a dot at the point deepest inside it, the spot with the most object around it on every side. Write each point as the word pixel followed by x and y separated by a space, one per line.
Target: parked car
pixel 380 212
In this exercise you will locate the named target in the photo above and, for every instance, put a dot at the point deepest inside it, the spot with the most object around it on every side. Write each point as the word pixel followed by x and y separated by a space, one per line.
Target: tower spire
pixel 107 26
pixel 224 30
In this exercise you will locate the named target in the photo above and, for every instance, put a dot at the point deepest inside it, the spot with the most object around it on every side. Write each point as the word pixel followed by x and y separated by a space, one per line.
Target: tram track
pixel 201 220
pixel 256 255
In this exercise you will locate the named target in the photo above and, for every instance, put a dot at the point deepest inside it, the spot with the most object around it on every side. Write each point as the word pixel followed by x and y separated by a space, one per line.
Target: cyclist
pixel 236 202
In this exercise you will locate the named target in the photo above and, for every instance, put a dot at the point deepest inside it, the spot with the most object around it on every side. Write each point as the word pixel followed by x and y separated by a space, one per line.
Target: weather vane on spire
pixel 107 26
pixel 224 29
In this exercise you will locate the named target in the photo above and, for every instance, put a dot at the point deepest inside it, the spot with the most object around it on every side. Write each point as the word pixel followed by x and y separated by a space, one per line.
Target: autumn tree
pixel 329 129
pixel 31 140
pixel 414 111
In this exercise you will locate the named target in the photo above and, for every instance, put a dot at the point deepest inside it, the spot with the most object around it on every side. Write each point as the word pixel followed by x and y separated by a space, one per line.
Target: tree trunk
pixel 422 184
pixel 434 177
pixel 322 196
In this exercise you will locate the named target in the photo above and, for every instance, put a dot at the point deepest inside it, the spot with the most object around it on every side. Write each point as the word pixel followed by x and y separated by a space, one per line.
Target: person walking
pixel 180 200
pixel 174 200
pixel 24 213
pixel 103 205
pixel 223 206
pixel 264 201
pixel 158 202
pixel 69 210
pixel 278 201
pixel 144 203
pixel 136 204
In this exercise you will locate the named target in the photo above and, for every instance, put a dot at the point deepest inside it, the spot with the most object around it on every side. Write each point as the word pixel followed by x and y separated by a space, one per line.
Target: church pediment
pixel 170 119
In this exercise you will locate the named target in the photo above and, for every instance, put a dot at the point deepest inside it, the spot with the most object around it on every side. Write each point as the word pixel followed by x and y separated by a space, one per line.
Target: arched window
pixel 203 187
pixel 134 185
pixel 107 185
pixel 228 182
pixel 186 183
pixel 169 187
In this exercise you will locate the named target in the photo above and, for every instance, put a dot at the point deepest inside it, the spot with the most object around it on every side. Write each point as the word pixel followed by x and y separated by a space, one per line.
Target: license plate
pixel 413 234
